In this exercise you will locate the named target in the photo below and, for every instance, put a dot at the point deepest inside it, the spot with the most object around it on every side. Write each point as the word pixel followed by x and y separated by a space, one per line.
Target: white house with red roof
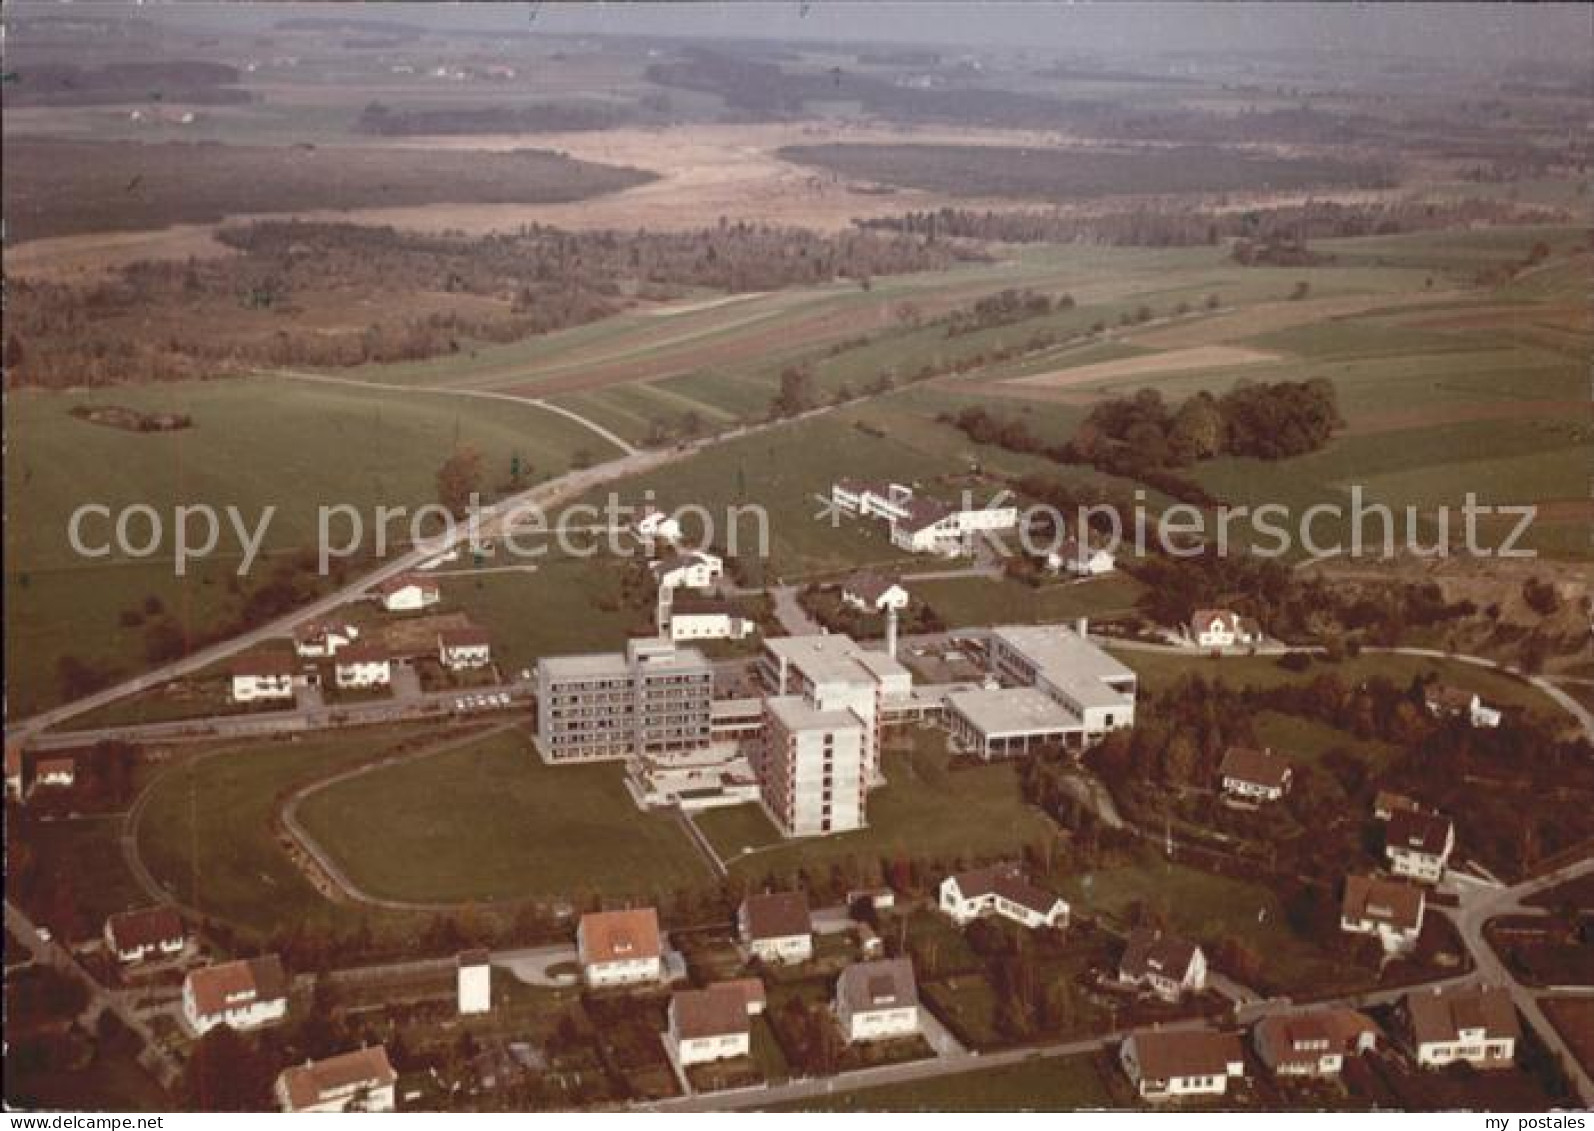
pixel 409 593
pixel 1223 628
pixel 363 666
pixel 461 649
pixel 617 948
pixel 262 677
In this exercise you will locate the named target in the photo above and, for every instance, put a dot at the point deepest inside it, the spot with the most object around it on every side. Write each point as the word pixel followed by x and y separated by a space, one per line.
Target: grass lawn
pixel 1158 670
pixel 205 832
pixel 255 443
pixel 983 601
pixel 1209 907
pixel 1053 1084
pixel 735 829
pixel 925 809
pixel 490 821
pixel 1307 738
pixel 84 855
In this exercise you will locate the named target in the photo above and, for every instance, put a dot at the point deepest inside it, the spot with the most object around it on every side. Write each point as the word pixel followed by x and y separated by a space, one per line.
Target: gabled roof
pixel 366 652
pixel 620 936
pixel 1153 953
pixel 718 1011
pixel 1440 1015
pixel 146 927
pixel 320 629
pixel 1427 833
pixel 1202 619
pixel 1009 882
pixel 868 586
pixel 237 983
pixel 468 636
pixel 886 984
pixel 261 664
pixel 777 915
pixel 1301 1038
pixel 55 767
pixel 1166 1054
pixel 316 1081
pixel 1258 767
pixel 921 514
pixel 1382 901
pixel 403 581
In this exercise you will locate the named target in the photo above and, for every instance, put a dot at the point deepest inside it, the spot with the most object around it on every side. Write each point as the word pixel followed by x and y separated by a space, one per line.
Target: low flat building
pixel 1418 845
pixel 1389 910
pixel 1095 688
pixel 617 948
pixel 877 1001
pixel 1002 722
pixel 247 994
pixel 362 1080
pixel 1181 1063
pixel 709 1024
pixel 1254 775
pixel 776 927
pixel 1002 890
pixel 1315 1042
pixel 1169 967
pixel 653 699
pixel 1474 1024
pixel 150 932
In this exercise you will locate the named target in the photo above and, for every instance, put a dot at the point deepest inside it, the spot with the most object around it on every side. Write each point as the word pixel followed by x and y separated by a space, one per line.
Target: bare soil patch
pixel 1188 360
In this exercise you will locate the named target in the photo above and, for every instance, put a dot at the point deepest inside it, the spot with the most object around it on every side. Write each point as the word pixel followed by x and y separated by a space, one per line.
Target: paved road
pixel 1479 904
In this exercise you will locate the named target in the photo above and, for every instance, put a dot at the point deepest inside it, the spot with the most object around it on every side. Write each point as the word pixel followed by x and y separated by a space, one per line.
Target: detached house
pixel 1418 845
pixel 776 926
pixel 1223 628
pixel 320 640
pixel 363 666
pixel 151 932
pixel 698 570
pixel 1313 1043
pixel 54 773
pixel 1254 775
pixel 655 525
pixel 1169 967
pixel 246 994
pixel 701 618
pixel 617 948
pixel 1477 1024
pixel 873 593
pixel 927 526
pixel 1390 910
pixel 362 1080
pixel 1445 701
pixel 408 593
pixel 1001 890
pixel 461 649
pixel 1170 1065
pixel 1080 559
pixel 262 677
pixel 713 1023
pixel 877 1001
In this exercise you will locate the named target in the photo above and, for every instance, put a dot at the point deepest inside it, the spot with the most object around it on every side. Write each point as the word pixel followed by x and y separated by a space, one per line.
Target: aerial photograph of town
pixel 806 556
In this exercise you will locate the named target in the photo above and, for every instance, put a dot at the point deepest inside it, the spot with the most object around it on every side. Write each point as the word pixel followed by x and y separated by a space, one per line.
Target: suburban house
pixel 1004 890
pixel 697 570
pixel 1223 628
pixel 362 1080
pixel 321 639
pixel 1173 1064
pixel 1477 1024
pixel 245 994
pixel 877 1001
pixel 361 666
pixel 1390 910
pixel 409 593
pixel 656 526
pixel 1313 1043
pixel 261 677
pixel 1254 775
pixel 1386 804
pixel 776 926
pixel 928 526
pixel 461 649
pixel 871 592
pixel 1080 559
pixel 54 773
pixel 1418 845
pixel 617 948
pixel 701 618
pixel 710 1024
pixel 1445 701
pixel 150 932
pixel 1169 967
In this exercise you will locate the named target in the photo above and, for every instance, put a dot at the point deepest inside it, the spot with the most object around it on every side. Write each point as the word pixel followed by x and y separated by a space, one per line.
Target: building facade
pixel 653 699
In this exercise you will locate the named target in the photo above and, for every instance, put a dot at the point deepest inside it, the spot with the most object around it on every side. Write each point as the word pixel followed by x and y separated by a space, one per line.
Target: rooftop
pixel 719 1010
pixel 1068 661
pixel 1441 1015
pixel 619 936
pixel 1164 1054
pixel 1012 710
pixel 316 1081
pixel 1259 767
pixel 1428 833
pixel 777 915
pixel 835 658
pixel 249 979
pixel 796 714
pixel 1382 901
pixel 886 984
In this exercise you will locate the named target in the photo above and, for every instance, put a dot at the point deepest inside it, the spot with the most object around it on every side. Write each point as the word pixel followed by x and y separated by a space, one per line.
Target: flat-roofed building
pixel 1096 691
pixel 812 767
pixel 1002 721
pixel 835 673
pixel 652 699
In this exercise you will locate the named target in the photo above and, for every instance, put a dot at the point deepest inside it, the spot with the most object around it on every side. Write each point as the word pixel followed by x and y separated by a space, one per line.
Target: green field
pixel 1052 1084
pixel 490 821
pixel 963 602
pixel 925 809
pixel 206 835
pixel 254 444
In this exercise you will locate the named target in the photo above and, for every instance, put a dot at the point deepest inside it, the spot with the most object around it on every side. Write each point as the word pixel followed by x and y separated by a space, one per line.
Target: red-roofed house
pixel 460 649
pixel 1001 890
pixel 1313 1043
pixel 363 666
pixel 1171 1064
pixel 710 1024
pixel 246 994
pixel 354 1081
pixel 1223 628
pixel 262 677
pixel 620 947
pixel 1254 775
pixel 151 932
